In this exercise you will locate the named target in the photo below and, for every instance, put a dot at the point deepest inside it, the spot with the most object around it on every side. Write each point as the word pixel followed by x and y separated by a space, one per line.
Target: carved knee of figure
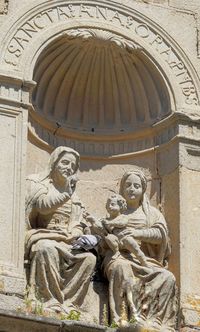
pixel 44 247
pixel 113 242
pixel 169 278
pixel 90 261
pixel 43 251
pixel 132 245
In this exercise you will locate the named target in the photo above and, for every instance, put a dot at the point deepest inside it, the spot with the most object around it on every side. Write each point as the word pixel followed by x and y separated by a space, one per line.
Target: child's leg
pixel 131 245
pixel 113 242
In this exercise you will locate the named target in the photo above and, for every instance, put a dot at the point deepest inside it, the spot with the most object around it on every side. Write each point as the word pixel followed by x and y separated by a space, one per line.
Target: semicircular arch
pixel 38 26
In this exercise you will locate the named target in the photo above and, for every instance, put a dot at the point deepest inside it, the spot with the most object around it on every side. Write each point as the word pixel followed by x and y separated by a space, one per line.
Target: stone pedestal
pixel 16 322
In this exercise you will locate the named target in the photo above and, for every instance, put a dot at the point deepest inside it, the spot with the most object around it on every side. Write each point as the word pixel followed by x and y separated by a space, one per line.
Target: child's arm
pixel 97 226
pixel 118 222
pixel 91 219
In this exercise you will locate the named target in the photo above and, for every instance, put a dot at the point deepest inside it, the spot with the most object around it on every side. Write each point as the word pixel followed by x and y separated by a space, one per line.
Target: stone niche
pixel 118 95
pixel 106 80
pixel 102 95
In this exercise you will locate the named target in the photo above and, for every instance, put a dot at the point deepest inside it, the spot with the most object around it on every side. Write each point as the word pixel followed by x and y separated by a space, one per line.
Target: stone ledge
pixel 189 329
pixel 11 321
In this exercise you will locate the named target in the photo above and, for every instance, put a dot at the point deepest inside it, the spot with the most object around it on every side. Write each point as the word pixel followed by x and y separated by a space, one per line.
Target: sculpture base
pixel 17 322
pixel 12 285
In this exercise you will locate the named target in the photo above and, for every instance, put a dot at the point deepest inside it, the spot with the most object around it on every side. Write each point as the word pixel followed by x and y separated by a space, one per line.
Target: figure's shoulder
pixel 33 178
pixel 34 184
pixel 154 210
pixel 156 214
pixel 122 217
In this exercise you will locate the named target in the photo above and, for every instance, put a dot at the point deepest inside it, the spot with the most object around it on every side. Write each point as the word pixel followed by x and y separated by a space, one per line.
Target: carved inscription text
pixel 58 14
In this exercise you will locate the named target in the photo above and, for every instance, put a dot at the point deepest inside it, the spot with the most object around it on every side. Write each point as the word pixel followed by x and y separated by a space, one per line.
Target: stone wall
pixel 167 33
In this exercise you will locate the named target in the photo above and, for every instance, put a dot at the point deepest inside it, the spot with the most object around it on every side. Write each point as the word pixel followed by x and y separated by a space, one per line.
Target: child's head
pixel 116 204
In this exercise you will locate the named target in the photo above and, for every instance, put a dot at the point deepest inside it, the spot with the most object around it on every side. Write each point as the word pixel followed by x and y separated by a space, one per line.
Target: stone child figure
pixel 54 218
pixel 113 226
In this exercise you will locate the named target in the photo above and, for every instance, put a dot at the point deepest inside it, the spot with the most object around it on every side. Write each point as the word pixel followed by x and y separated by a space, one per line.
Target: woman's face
pixel 132 190
pixel 66 165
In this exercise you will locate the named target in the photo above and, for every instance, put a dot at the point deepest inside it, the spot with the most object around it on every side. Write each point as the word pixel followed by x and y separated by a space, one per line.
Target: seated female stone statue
pixel 58 275
pixel 151 289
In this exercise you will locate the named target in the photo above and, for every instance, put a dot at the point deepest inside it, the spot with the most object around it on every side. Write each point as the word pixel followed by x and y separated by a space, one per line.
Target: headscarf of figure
pixel 144 200
pixel 56 155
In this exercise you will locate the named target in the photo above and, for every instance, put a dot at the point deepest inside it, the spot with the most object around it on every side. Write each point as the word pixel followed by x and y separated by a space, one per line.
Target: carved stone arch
pixel 106 78
pixel 62 15
pixel 177 99
pixel 29 37
pixel 148 98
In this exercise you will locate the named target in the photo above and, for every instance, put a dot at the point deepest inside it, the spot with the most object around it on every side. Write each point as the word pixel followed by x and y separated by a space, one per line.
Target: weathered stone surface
pixel 118 81
pixel 3 6
pixel 81 327
pixel 14 322
pixel 10 302
pixel 11 321
pixel 58 276
pixel 189 329
pixel 12 157
pixel 60 234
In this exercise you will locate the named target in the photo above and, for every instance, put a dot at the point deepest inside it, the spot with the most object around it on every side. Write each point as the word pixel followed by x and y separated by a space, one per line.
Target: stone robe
pixel 151 291
pixel 58 275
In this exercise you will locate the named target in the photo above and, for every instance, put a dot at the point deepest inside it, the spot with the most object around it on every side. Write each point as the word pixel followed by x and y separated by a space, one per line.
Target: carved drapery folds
pixel 132 243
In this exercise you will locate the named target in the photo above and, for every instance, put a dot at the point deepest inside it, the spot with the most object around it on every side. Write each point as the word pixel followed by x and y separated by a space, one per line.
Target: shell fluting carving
pixel 95 81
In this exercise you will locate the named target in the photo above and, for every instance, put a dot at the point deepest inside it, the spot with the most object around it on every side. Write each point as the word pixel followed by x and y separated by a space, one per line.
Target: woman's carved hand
pixel 71 184
pixel 136 233
pixel 91 219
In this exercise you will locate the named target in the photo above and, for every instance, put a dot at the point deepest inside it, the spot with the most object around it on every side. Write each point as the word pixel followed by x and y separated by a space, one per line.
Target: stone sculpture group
pixel 132 242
